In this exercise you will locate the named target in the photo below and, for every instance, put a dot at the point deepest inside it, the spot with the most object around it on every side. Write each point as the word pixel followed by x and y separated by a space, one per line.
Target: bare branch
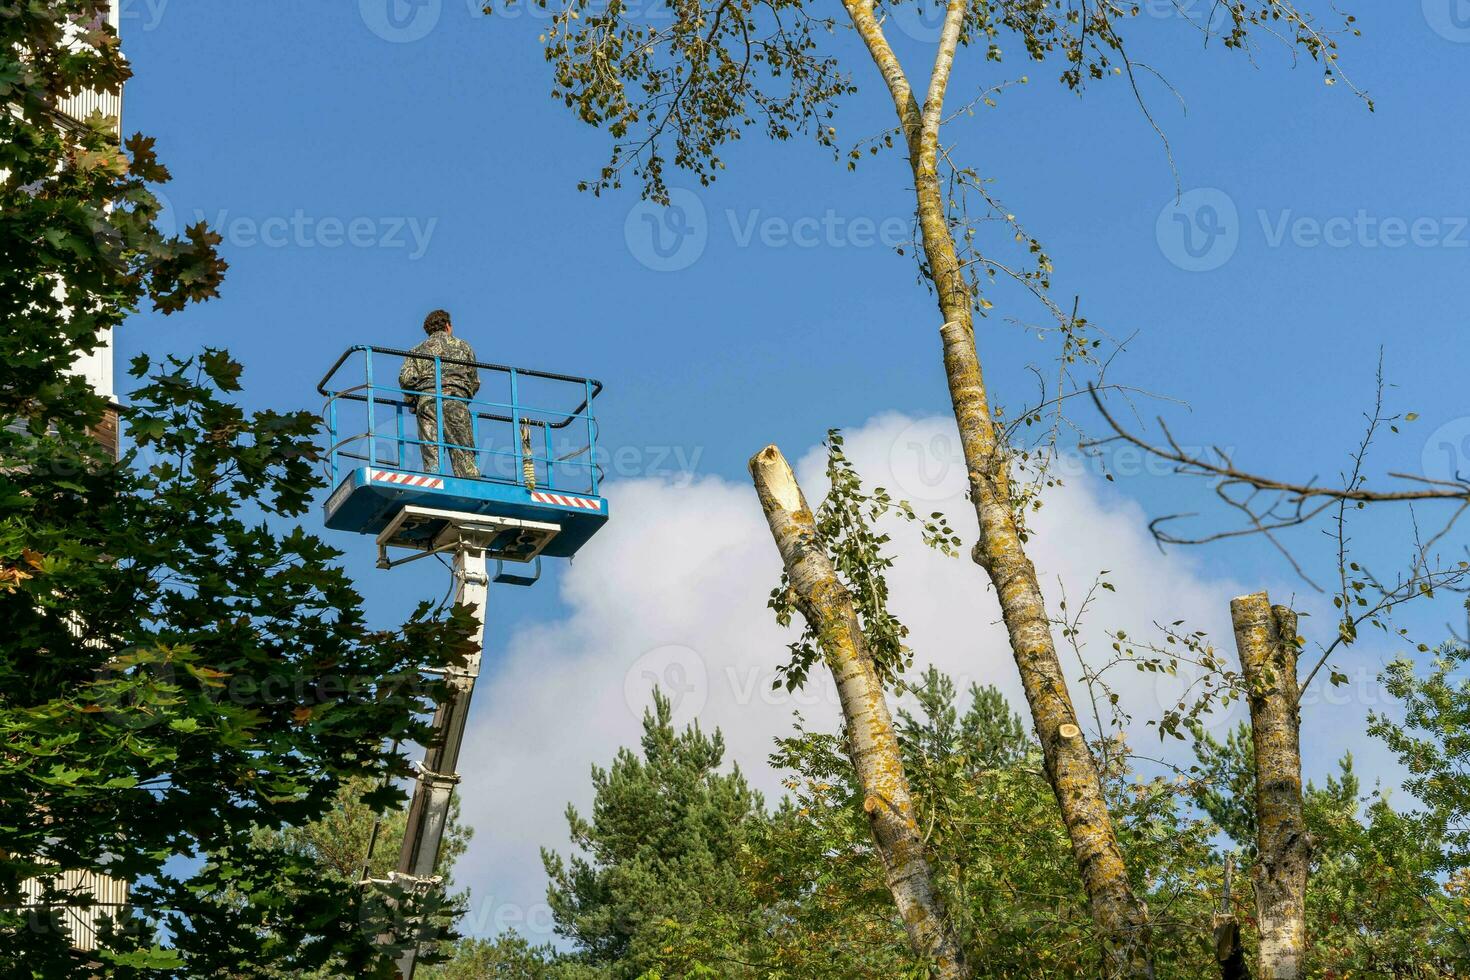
pixel 1197 465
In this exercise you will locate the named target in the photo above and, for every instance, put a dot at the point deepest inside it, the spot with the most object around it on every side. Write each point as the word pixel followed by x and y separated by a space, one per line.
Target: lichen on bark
pixel 1266 639
pixel 872 743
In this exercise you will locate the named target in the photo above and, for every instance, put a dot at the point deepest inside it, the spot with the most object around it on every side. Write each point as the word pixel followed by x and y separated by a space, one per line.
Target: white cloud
pixel 675 589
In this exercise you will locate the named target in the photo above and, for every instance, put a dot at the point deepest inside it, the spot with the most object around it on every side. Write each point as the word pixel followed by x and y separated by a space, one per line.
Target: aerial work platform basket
pixel 533 438
pixel 506 473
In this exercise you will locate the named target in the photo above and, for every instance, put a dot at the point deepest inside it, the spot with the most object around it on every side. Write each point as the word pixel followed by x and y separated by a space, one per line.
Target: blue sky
pixel 1312 233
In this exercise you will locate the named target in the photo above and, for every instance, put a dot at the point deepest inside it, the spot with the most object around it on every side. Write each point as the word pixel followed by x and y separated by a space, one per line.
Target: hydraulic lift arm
pixel 428 812
pixel 475 540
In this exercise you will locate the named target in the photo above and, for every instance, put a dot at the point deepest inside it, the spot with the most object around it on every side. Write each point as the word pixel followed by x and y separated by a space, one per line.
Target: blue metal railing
pixel 500 430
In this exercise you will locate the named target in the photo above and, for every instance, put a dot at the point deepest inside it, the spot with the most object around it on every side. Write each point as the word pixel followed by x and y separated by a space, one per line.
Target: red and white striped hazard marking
pixel 406 479
pixel 562 500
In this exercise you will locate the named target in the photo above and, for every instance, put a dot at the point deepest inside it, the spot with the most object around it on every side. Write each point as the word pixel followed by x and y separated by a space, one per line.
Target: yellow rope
pixel 528 462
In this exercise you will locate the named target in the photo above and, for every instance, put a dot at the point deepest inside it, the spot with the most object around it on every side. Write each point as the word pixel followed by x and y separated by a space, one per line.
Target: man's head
pixel 437 321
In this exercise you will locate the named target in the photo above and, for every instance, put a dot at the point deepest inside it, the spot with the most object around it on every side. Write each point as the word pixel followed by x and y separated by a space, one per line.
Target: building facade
pixel 97 366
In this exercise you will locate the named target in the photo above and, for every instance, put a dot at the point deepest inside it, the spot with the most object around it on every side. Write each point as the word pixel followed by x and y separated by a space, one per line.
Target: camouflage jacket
pixel 458 379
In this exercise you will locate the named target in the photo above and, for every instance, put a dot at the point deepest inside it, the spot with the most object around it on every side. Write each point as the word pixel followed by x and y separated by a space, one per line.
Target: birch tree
pixel 814 588
pixel 1269 648
pixel 685 87
pixel 1266 639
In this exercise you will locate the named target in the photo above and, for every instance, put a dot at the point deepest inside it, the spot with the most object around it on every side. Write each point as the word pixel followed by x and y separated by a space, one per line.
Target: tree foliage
pixel 1433 743
pixel 183 665
pixel 681 89
pixel 845 523
pixel 279 903
pixel 1375 904
pixel 663 838
pixel 180 672
pixel 683 73
pixel 79 247
pixel 800 892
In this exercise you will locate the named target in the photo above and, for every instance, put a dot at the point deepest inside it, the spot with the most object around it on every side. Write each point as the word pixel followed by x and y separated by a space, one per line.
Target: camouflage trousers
pixel 457 432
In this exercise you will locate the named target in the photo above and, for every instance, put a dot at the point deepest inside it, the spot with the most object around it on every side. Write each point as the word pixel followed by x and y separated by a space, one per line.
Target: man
pixel 456 381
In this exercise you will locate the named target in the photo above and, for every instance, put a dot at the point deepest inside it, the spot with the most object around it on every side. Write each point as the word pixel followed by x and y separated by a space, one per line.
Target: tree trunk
pixel 1265 636
pixel 1121 918
pixel 828 607
pixel 1228 951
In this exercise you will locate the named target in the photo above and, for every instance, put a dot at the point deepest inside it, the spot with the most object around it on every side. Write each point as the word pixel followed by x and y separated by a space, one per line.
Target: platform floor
pixel 368 497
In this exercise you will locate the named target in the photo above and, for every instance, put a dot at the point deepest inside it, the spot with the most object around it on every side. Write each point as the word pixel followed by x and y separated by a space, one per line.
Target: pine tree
pixel 654 883
pixel 1433 743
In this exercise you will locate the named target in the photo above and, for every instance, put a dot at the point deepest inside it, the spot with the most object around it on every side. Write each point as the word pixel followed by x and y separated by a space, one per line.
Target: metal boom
pixel 428 812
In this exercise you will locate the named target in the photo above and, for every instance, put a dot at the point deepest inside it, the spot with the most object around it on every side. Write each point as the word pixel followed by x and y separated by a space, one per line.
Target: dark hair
pixel 436 321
